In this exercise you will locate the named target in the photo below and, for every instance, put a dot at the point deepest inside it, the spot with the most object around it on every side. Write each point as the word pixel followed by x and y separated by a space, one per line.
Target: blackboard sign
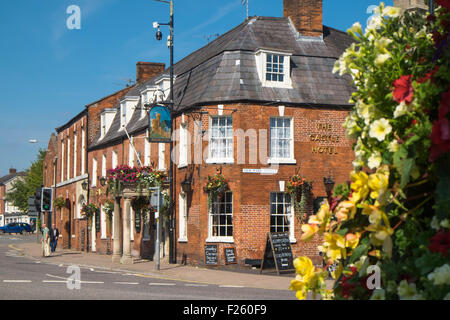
pixel 230 255
pixel 278 252
pixel 137 221
pixel 211 257
pixel 82 239
pixel 97 222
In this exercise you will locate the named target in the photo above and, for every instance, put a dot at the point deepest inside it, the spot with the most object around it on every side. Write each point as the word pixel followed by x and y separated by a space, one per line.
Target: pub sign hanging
pixel 160 124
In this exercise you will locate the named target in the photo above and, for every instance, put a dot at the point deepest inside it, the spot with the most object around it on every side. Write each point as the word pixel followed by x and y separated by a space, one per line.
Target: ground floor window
pixel 280 212
pixel 221 217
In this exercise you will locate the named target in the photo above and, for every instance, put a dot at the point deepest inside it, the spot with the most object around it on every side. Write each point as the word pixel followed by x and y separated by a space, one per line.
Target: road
pixel 30 279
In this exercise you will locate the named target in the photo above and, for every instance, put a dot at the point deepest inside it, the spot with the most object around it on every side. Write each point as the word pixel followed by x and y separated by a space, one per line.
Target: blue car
pixel 26 227
pixel 12 228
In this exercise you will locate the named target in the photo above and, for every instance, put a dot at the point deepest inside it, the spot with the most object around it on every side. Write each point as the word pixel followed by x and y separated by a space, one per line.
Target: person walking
pixel 45 241
pixel 54 234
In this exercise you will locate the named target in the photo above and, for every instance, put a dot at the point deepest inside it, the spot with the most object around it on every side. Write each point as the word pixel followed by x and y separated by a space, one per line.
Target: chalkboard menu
pixel 230 255
pixel 278 252
pixel 82 239
pixel 211 257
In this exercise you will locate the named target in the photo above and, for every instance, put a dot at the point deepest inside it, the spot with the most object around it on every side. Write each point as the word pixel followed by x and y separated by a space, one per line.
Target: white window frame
pixel 62 160
pixel 115 158
pixel 261 64
pixel 75 153
pixel 68 157
pixel 227 159
pixel 104 158
pixel 290 215
pixel 83 151
pixel 211 236
pixel 103 223
pixel 94 172
pixel 182 216
pixel 147 151
pixel 183 146
pixel 274 159
pixel 161 156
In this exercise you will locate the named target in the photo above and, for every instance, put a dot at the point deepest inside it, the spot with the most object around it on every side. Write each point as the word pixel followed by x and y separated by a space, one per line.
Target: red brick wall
pixel 251 192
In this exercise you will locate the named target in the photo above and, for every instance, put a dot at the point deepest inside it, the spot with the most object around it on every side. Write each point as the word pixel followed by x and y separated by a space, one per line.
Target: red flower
pixel 444 3
pixel 440 134
pixel 440 242
pixel 403 89
pixel 347 288
pixel 428 76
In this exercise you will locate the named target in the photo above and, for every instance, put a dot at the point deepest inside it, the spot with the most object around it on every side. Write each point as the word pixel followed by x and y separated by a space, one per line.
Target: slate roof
pixel 8 177
pixel 211 74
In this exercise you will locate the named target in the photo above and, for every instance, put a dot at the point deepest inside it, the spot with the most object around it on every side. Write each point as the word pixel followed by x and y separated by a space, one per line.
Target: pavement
pixel 202 275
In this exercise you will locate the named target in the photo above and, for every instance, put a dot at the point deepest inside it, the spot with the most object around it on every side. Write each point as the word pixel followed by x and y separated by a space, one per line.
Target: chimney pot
pixel 306 15
pixel 12 171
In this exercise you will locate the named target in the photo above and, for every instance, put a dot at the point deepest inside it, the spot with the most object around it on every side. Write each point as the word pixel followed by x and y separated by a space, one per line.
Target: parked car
pixel 12 228
pixel 26 227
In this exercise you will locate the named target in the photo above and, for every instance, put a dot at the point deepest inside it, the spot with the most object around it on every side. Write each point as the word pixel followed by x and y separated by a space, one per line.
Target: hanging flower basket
pixel 59 202
pixel 299 188
pixel 216 185
pixel 133 178
pixel 89 210
pixel 108 208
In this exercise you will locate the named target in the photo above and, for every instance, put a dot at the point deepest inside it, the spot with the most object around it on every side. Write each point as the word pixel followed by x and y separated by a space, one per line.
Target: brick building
pixel 259 103
pixel 8 212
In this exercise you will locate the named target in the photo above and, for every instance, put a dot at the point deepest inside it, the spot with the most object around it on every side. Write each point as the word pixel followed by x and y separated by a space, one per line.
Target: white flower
pixel 392 12
pixel 379 129
pixel 356 28
pixel 364 111
pixel 374 160
pixel 440 275
pixel 378 294
pixel 393 146
pixel 374 23
pixel 400 110
pixel 406 291
pixel 381 59
pixel 434 223
pixel 445 224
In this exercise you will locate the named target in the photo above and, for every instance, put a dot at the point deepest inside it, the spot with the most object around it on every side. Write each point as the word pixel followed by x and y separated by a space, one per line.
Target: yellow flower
pixel 352 240
pixel 303 266
pixel 380 234
pixel 359 186
pixel 382 44
pixel 309 231
pixel 334 246
pixel 345 210
pixel 322 217
pixel 381 59
pixel 378 183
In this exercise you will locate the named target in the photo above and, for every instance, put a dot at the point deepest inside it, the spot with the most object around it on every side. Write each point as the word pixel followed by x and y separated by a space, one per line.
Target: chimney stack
pixel 306 15
pixel 12 171
pixel 148 70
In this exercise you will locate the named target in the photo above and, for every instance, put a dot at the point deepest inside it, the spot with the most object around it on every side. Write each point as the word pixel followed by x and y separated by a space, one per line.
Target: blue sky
pixel 48 73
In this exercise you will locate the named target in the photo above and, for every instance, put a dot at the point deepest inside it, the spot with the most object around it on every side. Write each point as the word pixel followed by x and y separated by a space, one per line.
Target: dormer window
pixel 127 106
pixel 274 68
pixel 106 118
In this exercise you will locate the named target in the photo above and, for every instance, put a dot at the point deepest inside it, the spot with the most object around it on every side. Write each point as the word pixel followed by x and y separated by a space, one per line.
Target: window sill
pixel 182 165
pixel 183 240
pixel 220 240
pixel 220 161
pixel 281 161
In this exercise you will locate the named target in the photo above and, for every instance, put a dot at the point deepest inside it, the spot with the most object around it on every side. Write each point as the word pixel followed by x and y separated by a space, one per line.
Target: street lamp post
pixel 172 258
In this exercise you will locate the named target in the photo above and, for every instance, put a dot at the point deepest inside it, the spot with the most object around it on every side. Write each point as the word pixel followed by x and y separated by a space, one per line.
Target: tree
pixel 24 188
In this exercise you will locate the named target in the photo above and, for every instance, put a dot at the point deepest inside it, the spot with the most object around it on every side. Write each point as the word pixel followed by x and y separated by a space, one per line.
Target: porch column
pixel 126 256
pixel 117 252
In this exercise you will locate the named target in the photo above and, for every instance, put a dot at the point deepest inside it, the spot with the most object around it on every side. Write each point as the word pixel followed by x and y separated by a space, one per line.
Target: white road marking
pixel 195 285
pixel 161 284
pixel 54 281
pixel 17 281
pixel 126 283
pixel 230 286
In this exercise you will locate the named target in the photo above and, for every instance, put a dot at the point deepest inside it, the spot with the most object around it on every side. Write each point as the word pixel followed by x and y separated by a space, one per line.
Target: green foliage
pixel 22 189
